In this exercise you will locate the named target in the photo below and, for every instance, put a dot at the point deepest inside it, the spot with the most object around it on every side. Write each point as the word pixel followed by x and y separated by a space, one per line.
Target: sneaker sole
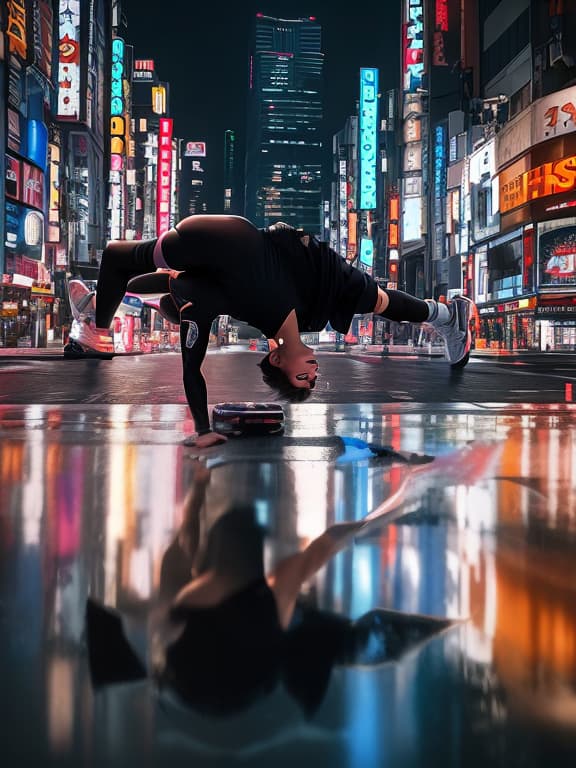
pixel 463 310
pixel 73 351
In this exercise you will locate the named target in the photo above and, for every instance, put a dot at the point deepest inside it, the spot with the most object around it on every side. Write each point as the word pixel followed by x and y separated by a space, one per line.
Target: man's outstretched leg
pixel 452 321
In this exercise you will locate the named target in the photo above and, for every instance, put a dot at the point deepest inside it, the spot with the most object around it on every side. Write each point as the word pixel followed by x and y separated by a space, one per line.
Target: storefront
pixel 556 318
pixel 15 319
pixel 509 325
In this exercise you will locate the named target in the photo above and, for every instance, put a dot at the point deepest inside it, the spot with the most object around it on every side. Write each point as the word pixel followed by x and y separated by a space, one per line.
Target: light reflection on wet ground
pixel 91 499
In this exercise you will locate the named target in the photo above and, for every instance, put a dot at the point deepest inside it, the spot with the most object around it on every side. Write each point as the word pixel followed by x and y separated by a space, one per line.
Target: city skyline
pixel 217 54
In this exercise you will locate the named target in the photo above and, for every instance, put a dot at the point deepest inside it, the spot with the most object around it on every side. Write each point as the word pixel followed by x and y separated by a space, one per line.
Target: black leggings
pixel 209 244
pixel 402 307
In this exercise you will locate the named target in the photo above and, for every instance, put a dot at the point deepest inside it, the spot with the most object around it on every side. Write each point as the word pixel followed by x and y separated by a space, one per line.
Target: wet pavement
pixel 383 585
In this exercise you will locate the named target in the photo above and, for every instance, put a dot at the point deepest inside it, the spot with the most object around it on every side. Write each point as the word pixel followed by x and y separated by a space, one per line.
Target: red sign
pixel 164 180
pixel 32 186
pixel 12 177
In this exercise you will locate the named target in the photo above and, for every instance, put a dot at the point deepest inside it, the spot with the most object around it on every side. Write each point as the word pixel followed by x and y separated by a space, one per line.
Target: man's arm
pixel 194 336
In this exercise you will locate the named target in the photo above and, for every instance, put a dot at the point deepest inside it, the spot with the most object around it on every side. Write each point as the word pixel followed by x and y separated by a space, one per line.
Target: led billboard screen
pixel 164 176
pixel 368 136
pixel 69 60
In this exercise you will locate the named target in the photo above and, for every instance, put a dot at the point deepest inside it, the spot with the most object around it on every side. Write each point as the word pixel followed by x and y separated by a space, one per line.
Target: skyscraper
pixel 283 144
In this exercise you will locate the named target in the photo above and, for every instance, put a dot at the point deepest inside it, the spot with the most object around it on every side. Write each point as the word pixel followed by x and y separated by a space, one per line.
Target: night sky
pixel 203 53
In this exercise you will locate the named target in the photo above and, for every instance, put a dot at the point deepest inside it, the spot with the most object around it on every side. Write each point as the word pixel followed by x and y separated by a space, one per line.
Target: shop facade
pixel 523 232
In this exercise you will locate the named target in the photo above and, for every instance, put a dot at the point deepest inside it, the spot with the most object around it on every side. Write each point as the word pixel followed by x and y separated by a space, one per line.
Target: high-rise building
pixel 283 144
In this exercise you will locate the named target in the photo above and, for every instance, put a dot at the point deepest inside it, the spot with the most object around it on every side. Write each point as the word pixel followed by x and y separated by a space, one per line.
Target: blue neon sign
pixel 366 254
pixel 368 137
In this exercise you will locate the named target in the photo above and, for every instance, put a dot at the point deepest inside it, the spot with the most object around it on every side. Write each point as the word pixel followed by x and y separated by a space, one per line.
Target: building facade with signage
pixel 525 267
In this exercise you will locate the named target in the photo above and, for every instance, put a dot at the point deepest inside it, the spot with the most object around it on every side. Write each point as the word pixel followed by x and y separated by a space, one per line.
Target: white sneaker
pixel 82 300
pixel 85 340
pixel 455 331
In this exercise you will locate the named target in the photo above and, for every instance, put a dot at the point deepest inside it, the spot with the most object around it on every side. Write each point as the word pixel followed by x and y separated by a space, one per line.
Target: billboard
pixel 23 231
pixel 16 28
pixel 195 149
pixel 412 45
pixel 13 177
pixel 366 254
pixel 32 186
pixel 557 252
pixel 117 138
pixel 552 178
pixel 554 115
pixel 53 231
pixel 164 177
pixel 368 137
pixel 24 182
pixel 69 60
pixel 43 20
pixel 342 208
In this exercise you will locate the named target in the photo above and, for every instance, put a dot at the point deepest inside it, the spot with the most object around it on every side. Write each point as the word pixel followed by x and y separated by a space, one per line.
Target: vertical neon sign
pixel 368 137
pixel 164 176
pixel 69 60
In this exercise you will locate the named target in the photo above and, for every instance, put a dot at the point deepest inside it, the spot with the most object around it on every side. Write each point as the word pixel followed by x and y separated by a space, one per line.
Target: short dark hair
pixel 277 379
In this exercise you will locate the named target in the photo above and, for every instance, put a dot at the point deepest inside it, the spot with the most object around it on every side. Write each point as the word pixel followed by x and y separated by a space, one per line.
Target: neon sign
pixel 440 27
pixel 69 60
pixel 164 176
pixel 368 137
pixel 548 179
pixel 413 45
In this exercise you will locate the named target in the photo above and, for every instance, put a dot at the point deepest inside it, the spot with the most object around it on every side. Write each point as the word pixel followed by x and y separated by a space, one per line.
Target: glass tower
pixel 284 146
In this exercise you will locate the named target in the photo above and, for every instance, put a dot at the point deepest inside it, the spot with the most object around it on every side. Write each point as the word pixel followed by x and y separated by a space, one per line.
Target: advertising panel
pixel 195 149
pixel 439 172
pixel 484 192
pixel 53 230
pixel 557 252
pixel 32 186
pixel 412 157
pixel 43 20
pixel 368 136
pixel 24 231
pixel 13 177
pixel 164 176
pixel 554 115
pixel 412 219
pixel 547 179
pixel 69 60
pixel 16 28
pixel 352 236
pixel 117 138
pixel 412 45
pixel 342 209
pixel 366 254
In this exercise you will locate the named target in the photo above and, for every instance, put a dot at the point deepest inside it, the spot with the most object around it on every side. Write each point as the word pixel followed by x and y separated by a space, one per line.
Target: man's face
pixel 301 370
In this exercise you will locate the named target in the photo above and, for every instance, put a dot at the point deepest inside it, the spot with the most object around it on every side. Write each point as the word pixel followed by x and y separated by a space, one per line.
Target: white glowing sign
pixel 69 60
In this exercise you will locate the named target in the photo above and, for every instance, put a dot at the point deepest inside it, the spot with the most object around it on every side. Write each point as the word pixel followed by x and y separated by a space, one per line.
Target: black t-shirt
pixel 281 276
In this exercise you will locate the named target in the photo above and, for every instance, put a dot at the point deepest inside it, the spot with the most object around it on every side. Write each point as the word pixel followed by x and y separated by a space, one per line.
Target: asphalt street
pixel 233 375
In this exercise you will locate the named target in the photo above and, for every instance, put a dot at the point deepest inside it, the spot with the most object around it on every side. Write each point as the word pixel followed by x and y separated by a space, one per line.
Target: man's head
pixel 292 376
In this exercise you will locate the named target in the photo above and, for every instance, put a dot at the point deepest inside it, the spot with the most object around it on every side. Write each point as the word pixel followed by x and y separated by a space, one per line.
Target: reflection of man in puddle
pixel 224 633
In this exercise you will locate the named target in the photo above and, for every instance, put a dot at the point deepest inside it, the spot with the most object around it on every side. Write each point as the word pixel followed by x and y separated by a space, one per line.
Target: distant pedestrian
pixel 279 279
